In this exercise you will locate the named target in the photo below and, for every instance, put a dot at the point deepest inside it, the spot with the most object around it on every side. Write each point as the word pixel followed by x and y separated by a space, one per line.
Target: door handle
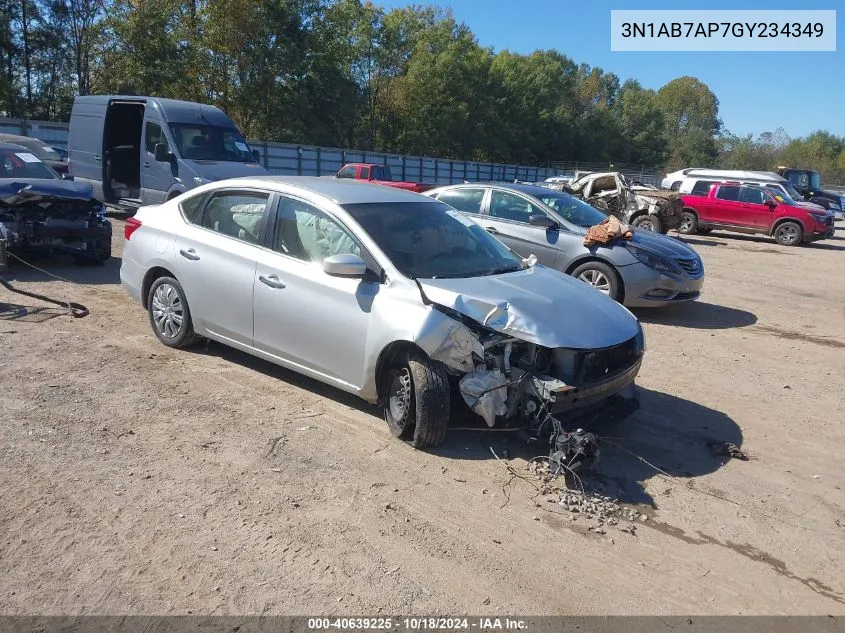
pixel 146 164
pixel 492 229
pixel 271 280
pixel 189 254
pixel 97 158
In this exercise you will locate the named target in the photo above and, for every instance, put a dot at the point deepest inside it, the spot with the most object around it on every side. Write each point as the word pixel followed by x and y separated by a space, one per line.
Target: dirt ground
pixel 141 480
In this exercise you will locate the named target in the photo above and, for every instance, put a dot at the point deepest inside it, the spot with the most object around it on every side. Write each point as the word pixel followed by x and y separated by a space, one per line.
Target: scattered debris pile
pixel 600 513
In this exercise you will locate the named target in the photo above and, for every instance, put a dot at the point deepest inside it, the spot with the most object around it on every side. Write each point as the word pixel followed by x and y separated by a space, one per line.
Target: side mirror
pixel 541 219
pixel 346 265
pixel 67 176
pixel 162 154
pixel 771 204
pixel 256 156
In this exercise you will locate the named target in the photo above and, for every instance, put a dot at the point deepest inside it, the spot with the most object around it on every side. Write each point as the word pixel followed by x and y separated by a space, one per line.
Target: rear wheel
pixel 675 185
pixel 416 400
pixel 170 316
pixel 601 277
pixel 647 222
pixel 788 233
pixel 689 222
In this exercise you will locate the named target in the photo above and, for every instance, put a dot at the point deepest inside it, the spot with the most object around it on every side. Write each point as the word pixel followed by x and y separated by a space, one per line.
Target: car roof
pixel 4 144
pixel 531 190
pixel 14 138
pixel 340 190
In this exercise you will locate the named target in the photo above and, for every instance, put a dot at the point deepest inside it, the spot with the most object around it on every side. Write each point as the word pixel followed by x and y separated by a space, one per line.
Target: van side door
pixel 85 144
pixel 156 176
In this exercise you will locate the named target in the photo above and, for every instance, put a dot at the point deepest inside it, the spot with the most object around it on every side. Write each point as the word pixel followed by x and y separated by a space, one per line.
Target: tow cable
pixel 76 310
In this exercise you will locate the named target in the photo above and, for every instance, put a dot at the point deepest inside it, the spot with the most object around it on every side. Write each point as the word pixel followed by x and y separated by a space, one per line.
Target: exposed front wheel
pixel 689 223
pixel 170 316
pixel 601 277
pixel 788 233
pixel 647 222
pixel 416 400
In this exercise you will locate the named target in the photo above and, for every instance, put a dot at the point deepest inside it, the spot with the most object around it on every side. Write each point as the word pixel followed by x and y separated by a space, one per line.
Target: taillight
pixel 132 225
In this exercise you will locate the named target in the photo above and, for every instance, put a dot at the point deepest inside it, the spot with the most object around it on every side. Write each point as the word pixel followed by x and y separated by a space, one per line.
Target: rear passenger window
pixel 466 200
pixel 191 206
pixel 237 215
pixel 728 193
pixel 701 188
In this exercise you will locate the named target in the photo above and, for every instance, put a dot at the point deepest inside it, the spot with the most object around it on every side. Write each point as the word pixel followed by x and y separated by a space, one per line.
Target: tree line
pixel 349 73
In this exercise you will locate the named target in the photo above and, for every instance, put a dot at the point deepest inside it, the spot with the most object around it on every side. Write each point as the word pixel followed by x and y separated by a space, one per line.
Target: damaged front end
pixel 666 206
pixel 514 372
pixel 47 216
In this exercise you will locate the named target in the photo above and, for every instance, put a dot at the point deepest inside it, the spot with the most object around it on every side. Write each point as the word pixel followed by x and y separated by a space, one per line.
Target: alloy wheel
pixel 597 280
pixel 788 234
pixel 168 311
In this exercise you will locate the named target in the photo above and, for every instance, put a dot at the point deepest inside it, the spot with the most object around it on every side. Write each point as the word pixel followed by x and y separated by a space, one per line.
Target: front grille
pixel 691 266
pixel 600 364
pixel 829 221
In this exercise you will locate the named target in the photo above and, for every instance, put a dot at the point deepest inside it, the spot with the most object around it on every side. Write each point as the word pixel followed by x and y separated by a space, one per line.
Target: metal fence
pixel 309 160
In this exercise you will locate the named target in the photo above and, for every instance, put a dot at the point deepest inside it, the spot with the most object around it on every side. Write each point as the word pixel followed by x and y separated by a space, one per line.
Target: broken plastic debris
pixel 458 347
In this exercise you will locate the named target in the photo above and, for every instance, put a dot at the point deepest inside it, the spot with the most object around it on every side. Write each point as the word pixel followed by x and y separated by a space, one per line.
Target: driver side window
pixel 304 232
pixel 509 206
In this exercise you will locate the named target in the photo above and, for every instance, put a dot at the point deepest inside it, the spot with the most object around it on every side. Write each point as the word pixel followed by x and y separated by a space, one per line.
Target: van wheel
pixel 788 234
pixel 675 186
pixel 170 316
pixel 416 400
pixel 647 222
pixel 689 223
pixel 601 277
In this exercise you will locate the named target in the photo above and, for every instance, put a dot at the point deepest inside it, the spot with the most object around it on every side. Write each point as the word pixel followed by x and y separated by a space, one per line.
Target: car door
pixel 507 218
pixel 756 213
pixel 312 320
pixel 726 209
pixel 156 176
pixel 216 258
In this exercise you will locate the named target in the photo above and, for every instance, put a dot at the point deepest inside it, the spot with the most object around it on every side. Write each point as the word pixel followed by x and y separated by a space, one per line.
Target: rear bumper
pixel 131 278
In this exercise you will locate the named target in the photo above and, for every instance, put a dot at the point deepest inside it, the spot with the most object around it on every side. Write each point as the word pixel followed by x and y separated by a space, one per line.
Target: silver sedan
pixel 384 293
pixel 649 270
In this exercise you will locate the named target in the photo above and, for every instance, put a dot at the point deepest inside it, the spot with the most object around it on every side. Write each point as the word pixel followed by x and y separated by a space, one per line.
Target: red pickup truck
pixel 380 175
pixel 754 209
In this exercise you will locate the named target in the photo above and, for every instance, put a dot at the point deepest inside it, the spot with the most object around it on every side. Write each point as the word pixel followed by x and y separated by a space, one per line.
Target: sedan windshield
pixel 430 240
pixel 572 209
pixel 23 164
pixel 207 142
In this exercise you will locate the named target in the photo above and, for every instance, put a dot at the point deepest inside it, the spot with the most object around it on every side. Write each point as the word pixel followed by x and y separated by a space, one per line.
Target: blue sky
pixel 757 92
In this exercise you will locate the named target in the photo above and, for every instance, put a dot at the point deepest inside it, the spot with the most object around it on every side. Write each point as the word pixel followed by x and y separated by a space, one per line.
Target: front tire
pixel 170 316
pixel 689 223
pixel 789 234
pixel 647 222
pixel 601 277
pixel 416 400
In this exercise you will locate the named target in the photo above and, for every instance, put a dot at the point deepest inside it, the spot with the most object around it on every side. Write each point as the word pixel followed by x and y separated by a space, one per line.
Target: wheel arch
pixel 156 272
pixel 596 258
pixel 780 221
pixel 391 352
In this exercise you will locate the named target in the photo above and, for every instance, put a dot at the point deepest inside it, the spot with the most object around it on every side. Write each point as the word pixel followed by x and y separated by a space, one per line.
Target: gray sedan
pixel 380 292
pixel 649 270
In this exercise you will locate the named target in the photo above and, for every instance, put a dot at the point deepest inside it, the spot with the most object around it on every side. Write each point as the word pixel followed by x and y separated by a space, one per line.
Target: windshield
pixel 572 209
pixel 23 164
pixel 430 240
pixel 792 191
pixel 206 142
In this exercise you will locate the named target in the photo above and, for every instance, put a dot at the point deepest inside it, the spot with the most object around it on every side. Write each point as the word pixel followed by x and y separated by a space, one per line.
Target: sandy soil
pixel 137 479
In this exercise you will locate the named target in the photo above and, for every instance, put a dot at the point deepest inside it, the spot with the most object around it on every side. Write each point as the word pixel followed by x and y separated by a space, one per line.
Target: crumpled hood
pixel 20 190
pixel 221 170
pixel 538 305
pixel 662 245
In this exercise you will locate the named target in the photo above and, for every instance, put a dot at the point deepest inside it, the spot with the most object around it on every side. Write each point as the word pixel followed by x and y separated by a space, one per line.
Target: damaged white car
pixel 381 292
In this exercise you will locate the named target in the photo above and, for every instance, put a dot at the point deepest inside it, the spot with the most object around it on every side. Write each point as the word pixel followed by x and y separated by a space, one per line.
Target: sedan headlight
pixel 835 207
pixel 654 261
